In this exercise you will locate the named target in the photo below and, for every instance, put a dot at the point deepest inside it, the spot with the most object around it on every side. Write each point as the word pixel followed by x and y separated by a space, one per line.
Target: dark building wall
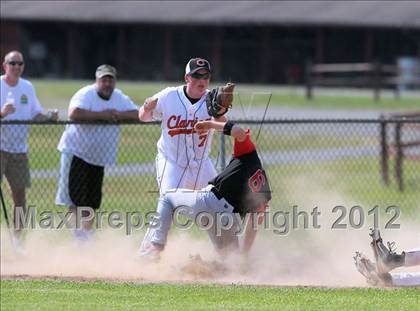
pixel 9 37
pixel 251 54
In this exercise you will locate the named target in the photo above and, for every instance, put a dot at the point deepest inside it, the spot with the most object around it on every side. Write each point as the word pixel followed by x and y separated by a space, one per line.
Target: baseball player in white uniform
pixel 183 154
pixel 386 260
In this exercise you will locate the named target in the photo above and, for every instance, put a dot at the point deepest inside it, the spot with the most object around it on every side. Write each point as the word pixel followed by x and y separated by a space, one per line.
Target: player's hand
pixel 53 115
pixel 117 115
pixel 203 126
pixel 8 109
pixel 110 115
pixel 150 104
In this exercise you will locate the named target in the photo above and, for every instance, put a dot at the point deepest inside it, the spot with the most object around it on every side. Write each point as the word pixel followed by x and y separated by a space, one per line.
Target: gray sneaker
pixel 18 246
pixel 149 252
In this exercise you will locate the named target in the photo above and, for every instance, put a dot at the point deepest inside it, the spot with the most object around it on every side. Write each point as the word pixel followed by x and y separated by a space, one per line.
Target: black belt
pixel 216 193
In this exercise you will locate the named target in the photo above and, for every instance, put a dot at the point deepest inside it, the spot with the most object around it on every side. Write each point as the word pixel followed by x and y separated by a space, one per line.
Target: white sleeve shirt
pixel 95 144
pixel 14 138
pixel 179 143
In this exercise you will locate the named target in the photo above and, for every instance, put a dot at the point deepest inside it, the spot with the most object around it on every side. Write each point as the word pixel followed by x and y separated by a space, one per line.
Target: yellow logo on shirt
pixel 24 99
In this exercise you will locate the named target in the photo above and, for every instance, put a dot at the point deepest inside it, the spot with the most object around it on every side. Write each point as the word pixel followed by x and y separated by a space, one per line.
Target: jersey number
pixel 257 181
pixel 202 139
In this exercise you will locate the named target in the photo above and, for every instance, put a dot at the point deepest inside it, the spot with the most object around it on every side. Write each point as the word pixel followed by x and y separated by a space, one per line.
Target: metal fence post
pixel 384 151
pixel 399 157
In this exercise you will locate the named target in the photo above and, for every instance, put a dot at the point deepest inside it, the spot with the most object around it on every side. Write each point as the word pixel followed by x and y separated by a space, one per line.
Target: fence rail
pixel 398 146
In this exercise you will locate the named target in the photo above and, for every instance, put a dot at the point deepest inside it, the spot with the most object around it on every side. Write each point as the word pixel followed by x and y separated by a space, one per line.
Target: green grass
pixel 325 184
pixel 57 94
pixel 275 138
pixel 357 180
pixel 138 143
pixel 353 181
pixel 53 295
pixel 281 97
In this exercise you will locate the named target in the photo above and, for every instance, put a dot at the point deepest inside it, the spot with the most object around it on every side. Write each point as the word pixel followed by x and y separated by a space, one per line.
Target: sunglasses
pixel 14 63
pixel 197 75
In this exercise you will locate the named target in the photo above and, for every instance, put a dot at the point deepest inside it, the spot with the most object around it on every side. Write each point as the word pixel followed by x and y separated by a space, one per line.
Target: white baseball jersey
pixel 14 138
pixel 179 143
pixel 182 160
pixel 95 144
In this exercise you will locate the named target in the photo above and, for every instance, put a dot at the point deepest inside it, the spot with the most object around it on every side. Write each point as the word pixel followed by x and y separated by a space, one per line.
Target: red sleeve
pixel 243 147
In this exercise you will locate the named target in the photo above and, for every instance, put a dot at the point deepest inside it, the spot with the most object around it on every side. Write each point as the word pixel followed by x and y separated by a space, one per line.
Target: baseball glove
pixel 386 258
pixel 219 100
pixel 369 270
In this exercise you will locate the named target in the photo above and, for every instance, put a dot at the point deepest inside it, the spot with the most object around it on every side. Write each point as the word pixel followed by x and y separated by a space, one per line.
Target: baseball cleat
pixel 83 237
pixel 386 257
pixel 369 271
pixel 149 252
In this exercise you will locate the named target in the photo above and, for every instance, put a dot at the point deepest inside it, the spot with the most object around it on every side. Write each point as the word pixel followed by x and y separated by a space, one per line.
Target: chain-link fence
pixel 310 163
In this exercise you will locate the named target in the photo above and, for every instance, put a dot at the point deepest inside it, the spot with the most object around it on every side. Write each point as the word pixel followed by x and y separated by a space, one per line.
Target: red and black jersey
pixel 243 183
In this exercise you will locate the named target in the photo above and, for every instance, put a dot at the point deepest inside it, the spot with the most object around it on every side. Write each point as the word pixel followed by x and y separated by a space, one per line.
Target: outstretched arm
pixel 79 114
pixel 127 115
pixel 221 119
pixel 243 143
pixel 50 116
pixel 236 130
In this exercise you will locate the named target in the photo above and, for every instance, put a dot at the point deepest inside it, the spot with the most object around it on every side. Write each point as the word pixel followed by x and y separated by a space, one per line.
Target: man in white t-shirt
pixel 18 102
pixel 87 148
pixel 183 154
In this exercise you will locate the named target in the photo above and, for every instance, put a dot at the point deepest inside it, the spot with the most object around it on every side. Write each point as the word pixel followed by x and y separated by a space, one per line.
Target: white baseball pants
pixel 197 206
pixel 171 176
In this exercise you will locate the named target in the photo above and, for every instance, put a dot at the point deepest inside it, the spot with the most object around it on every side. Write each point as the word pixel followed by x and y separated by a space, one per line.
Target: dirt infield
pixel 310 261
pixel 311 257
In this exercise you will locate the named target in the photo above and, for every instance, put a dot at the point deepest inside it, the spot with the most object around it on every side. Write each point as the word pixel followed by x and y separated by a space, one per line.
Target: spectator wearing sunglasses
pixel 18 102
pixel 183 154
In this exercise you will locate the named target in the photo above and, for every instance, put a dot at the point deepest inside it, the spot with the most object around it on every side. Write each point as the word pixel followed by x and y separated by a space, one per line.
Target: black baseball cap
pixel 105 70
pixel 195 64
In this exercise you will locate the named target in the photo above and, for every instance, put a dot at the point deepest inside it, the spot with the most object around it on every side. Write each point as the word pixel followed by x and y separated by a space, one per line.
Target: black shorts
pixel 85 183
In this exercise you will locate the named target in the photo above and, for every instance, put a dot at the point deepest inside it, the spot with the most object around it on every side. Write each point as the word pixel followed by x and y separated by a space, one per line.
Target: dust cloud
pixel 311 257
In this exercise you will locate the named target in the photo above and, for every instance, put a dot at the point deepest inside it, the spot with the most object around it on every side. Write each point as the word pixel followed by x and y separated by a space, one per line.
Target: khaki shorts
pixel 15 166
